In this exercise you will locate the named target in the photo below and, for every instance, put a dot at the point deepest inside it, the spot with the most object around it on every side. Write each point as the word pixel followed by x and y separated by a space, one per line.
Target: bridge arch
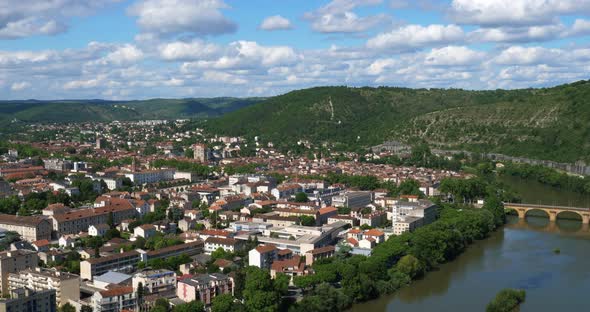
pixel 566 213
pixel 536 213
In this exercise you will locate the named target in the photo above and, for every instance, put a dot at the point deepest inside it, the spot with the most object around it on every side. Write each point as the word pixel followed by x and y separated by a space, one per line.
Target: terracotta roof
pixel 284 252
pixel 374 232
pixel 168 249
pixel 118 291
pixel 41 243
pixel 321 250
pixel 352 241
pixel 328 210
pixel 221 241
pixel 354 231
pixel 20 220
pixel 113 257
pixel 265 248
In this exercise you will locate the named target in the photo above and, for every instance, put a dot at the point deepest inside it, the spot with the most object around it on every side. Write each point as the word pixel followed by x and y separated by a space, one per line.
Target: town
pixel 133 216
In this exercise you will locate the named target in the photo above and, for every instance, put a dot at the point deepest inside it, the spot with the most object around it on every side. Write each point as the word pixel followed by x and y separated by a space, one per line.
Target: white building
pixel 98 230
pixel 114 300
pixel 155 281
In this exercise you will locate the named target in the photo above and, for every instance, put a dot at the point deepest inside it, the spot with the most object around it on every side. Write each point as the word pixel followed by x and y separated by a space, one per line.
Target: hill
pixel 100 110
pixel 547 123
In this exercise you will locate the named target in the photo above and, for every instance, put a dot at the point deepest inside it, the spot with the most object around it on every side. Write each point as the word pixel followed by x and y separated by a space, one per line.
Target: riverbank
pixel 519 255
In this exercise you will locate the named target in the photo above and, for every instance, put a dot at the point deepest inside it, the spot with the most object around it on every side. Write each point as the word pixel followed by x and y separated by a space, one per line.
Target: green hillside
pixel 548 123
pixel 98 110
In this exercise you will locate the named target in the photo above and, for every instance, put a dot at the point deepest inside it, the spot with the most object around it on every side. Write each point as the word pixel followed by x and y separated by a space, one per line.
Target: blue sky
pixel 134 49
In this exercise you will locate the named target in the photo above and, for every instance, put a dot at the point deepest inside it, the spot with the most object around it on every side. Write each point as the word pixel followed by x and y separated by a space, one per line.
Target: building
pixel 352 200
pixel 79 220
pixel 204 287
pixel 98 230
pixel 29 228
pixel 114 300
pixel 125 262
pixel 58 164
pixel 291 267
pixel 227 244
pixel 150 176
pixel 189 249
pixel 319 253
pixel 201 152
pixel 410 213
pixel 146 231
pixel 155 281
pixel 15 261
pixel 27 300
pixel 262 256
pixel 299 239
pixel 100 143
pixel 66 285
pixel 110 278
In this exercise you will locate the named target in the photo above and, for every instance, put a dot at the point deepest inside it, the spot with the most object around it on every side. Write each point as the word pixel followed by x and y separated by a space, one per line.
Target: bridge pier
pixel 521 213
pixel 585 218
pixel 552 215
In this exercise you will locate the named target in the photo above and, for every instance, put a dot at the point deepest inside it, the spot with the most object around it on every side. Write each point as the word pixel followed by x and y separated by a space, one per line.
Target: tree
pixel 110 221
pixel 86 308
pixel 301 197
pixel 410 266
pixel 225 303
pixel 506 300
pixel 496 207
pixel 259 292
pixel 67 308
pixel 307 220
pixel 193 306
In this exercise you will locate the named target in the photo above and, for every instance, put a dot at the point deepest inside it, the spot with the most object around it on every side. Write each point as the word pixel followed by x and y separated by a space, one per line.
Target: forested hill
pixel 549 123
pixel 100 110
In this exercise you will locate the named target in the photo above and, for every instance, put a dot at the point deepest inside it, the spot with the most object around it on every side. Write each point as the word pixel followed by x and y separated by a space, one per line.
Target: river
pixel 520 255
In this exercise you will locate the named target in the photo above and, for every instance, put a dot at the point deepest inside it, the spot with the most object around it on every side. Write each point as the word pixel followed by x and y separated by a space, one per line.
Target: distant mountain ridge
pixel 105 110
pixel 546 123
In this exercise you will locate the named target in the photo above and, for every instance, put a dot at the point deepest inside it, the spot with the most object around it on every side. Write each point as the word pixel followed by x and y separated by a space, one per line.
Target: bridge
pixel 551 210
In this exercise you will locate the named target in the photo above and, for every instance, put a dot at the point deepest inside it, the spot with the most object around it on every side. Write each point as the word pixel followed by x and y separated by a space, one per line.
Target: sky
pixel 137 49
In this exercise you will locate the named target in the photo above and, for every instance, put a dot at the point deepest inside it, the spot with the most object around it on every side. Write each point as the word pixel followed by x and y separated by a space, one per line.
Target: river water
pixel 520 255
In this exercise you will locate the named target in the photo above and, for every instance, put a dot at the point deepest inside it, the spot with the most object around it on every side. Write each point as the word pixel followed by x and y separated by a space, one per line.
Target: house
pixel 291 267
pixel 367 243
pixel 227 244
pixel 319 253
pixel 155 281
pixel 204 287
pixel 114 300
pixel 186 224
pixel 98 230
pixel 262 256
pixel 67 241
pixel 41 245
pixel 146 231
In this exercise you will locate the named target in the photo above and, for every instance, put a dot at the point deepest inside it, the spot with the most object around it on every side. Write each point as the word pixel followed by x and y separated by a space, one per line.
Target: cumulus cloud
pixel 275 22
pixel 183 51
pixel 416 36
pixel 19 86
pixel 454 56
pixel 24 18
pixel 338 17
pixel 172 17
pixel 514 12
pixel 518 55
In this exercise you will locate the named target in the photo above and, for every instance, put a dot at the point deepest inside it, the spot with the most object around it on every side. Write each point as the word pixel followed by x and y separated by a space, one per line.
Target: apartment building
pixel 114 300
pixel 27 300
pixel 14 261
pixel 66 285
pixel 155 281
pixel 353 200
pixel 31 228
pixel 150 176
pixel 79 220
pixel 263 256
pixel 125 262
pixel 204 287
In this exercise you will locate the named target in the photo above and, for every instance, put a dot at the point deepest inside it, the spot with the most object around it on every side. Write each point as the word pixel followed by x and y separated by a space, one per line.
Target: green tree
pixel 307 220
pixel 507 300
pixel 259 292
pixel 410 266
pixel 301 197
pixel 193 306
pixel 226 303
pixel 67 308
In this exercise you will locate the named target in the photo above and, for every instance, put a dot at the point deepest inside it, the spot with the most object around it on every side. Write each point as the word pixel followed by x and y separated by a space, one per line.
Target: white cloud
pixel 454 56
pixel 217 76
pixel 275 22
pixel 518 34
pixel 123 55
pixel 517 55
pixel 505 13
pixel 173 17
pixel 197 49
pixel 19 86
pixel 580 27
pixel 26 18
pixel 247 55
pixel 416 36
pixel 338 17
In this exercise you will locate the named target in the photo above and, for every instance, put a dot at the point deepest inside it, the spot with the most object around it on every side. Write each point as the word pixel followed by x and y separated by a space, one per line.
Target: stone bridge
pixel 551 210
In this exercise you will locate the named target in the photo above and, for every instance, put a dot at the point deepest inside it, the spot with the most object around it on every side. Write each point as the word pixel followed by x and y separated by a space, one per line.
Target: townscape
pixel 131 214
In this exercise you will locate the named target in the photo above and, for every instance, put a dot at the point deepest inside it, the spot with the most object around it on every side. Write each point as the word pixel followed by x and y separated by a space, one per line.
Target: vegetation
pixel 547 176
pixel 507 300
pixel 548 123
pixel 100 110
